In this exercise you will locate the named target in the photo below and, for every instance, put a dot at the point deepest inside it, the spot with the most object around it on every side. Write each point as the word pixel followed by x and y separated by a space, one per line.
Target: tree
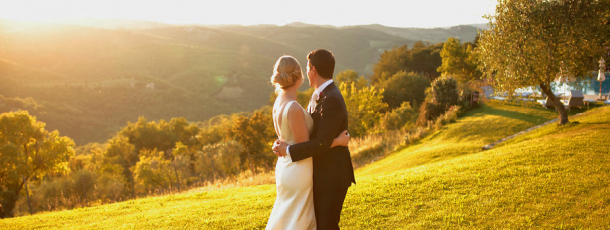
pixel 390 62
pixel 142 136
pixel 186 133
pixel 152 135
pixel 120 152
pixel 215 129
pixel 364 107
pixel 426 59
pixel 219 160
pixel 27 151
pixel 228 157
pixel 256 134
pixel 349 76
pixel 107 177
pixel 533 42
pixel 402 86
pixel 182 156
pixel 459 61
pixel 153 171
pixel 84 185
pixel 421 59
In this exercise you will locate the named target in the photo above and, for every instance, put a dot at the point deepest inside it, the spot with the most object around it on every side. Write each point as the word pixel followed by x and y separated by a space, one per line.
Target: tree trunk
pixel 177 179
pixel 213 163
pixel 132 183
pixel 9 198
pixel 250 163
pixel 27 195
pixel 563 116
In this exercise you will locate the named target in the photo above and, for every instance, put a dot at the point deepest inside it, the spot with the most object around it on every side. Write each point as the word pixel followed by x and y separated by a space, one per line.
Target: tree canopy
pixel 459 61
pixel 422 59
pixel 349 76
pixel 402 86
pixel 363 107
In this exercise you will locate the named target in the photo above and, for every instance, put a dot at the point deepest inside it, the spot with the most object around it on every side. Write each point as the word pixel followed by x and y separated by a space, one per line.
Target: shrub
pixel 110 187
pixel 449 116
pixel 84 185
pixel 398 118
pixel 442 96
pixel 429 111
pixel 444 90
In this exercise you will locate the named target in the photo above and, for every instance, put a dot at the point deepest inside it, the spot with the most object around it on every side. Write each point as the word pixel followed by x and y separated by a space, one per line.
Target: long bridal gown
pixel 293 208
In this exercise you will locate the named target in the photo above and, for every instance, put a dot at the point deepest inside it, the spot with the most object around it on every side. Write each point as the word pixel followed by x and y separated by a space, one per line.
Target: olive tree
pixel 533 42
pixel 27 151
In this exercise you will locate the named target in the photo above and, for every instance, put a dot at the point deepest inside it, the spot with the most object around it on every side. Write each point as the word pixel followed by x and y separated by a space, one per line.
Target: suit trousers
pixel 328 205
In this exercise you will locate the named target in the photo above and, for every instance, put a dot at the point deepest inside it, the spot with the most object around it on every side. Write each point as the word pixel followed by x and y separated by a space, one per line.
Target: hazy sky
pixel 397 13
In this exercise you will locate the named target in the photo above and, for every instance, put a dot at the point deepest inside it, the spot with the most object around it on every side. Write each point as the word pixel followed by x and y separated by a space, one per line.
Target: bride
pixel 293 208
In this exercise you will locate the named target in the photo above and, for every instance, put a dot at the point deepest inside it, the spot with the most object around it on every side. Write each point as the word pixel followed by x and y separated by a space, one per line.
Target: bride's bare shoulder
pixel 295 110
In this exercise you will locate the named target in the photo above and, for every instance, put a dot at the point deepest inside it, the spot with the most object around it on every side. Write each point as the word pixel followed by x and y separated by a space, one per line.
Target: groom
pixel 332 167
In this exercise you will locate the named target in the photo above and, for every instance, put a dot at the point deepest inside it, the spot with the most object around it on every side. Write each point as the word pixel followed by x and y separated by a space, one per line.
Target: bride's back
pixel 281 120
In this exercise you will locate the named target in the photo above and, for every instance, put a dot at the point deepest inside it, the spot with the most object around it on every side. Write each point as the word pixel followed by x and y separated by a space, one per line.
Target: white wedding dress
pixel 293 208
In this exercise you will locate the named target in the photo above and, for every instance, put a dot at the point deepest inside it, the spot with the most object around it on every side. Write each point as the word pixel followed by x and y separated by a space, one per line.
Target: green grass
pixel 555 177
pixel 469 134
pixel 246 207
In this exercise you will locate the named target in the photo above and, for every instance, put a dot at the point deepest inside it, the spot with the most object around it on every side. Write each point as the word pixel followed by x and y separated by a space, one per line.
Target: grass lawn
pixel 553 177
pixel 469 134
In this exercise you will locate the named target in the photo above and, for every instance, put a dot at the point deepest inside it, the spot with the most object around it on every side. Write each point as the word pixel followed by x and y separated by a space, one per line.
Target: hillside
pixel 466 33
pixel 90 78
pixel 553 177
pixel 354 47
pixel 89 81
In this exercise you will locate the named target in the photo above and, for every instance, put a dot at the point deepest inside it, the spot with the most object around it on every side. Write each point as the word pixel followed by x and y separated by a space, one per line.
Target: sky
pixel 395 13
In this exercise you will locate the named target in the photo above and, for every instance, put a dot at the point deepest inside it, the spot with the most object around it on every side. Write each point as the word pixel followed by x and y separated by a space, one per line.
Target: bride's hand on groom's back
pixel 341 140
pixel 278 146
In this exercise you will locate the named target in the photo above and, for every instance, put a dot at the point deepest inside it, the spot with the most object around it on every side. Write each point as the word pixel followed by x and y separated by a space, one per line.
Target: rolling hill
pixel 89 80
pixel 552 177
pixel 465 33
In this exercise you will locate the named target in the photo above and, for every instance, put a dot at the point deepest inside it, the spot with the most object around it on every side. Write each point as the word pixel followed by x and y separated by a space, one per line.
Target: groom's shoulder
pixel 335 94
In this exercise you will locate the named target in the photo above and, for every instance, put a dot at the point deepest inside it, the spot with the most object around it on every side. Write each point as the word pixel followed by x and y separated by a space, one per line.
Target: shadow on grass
pixel 593 123
pixel 530 118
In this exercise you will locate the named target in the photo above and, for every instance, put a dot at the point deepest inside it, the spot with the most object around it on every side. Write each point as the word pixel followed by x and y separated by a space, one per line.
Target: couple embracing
pixel 314 168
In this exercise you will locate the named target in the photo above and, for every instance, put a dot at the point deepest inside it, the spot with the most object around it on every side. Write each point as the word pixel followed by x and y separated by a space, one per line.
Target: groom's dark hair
pixel 324 61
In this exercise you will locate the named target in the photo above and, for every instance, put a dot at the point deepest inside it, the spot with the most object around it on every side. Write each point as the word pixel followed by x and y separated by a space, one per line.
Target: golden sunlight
pixel 412 13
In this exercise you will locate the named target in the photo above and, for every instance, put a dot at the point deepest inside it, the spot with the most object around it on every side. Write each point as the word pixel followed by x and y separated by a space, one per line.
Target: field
pixel 554 177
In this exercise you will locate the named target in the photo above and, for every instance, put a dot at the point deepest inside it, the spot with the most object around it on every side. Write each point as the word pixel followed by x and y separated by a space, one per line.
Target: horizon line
pixel 75 21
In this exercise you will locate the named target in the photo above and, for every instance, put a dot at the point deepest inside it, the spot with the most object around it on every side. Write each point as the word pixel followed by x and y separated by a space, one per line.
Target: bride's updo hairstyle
pixel 286 73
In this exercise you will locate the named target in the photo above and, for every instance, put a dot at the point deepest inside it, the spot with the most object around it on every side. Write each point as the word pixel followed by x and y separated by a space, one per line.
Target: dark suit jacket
pixel 332 167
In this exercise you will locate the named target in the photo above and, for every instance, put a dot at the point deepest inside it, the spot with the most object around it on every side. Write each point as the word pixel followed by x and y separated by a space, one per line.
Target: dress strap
pixel 286 108
pixel 285 118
